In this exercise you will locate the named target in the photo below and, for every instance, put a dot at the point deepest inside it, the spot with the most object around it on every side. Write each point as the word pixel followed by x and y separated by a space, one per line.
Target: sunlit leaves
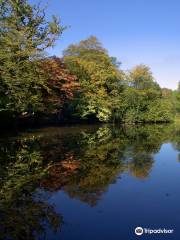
pixel 25 34
pixel 98 77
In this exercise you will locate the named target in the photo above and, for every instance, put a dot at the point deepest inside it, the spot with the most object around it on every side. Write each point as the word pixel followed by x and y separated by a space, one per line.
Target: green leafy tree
pixel 141 78
pixel 25 34
pixel 176 99
pixel 99 77
pixel 143 98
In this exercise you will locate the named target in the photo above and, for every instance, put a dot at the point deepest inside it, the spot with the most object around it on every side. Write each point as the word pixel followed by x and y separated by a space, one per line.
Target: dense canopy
pixel 86 84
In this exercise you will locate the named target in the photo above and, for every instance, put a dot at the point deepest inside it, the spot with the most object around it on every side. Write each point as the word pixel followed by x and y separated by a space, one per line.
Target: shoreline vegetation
pixel 85 85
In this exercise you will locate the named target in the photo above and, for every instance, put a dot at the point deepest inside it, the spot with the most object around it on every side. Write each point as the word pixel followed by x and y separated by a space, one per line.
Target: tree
pixel 24 36
pixel 141 78
pixel 143 98
pixel 176 99
pixel 99 78
pixel 60 85
pixel 90 45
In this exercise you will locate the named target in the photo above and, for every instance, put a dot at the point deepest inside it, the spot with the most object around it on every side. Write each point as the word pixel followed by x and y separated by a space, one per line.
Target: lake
pixel 90 182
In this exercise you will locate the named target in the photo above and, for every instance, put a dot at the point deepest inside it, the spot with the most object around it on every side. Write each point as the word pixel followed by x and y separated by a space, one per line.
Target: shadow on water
pixel 81 161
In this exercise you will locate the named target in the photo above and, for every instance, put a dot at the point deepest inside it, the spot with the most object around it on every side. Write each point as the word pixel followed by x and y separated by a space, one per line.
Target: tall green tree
pixel 25 34
pixel 100 79
pixel 143 98
pixel 141 78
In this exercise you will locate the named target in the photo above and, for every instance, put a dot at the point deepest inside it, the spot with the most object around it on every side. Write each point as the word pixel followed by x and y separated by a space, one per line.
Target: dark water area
pixel 90 182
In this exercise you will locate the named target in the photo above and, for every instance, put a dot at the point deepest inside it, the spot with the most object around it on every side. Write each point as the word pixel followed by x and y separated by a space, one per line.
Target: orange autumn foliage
pixel 61 85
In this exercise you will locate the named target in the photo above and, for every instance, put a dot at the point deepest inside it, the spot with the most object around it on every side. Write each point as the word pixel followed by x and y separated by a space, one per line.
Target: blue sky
pixel 134 31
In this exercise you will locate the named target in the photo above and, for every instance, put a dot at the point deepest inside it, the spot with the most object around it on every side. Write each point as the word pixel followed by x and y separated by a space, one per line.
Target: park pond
pixel 95 182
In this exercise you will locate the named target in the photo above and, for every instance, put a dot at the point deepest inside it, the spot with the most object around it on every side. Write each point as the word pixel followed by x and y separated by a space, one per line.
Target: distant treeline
pixel 86 84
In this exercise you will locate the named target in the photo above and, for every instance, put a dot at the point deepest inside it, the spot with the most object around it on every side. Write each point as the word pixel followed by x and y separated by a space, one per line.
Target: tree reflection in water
pixel 23 216
pixel 90 161
pixel 81 162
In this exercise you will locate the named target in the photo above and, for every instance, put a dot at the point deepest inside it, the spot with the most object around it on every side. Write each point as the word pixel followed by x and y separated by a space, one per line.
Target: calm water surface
pixel 90 182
